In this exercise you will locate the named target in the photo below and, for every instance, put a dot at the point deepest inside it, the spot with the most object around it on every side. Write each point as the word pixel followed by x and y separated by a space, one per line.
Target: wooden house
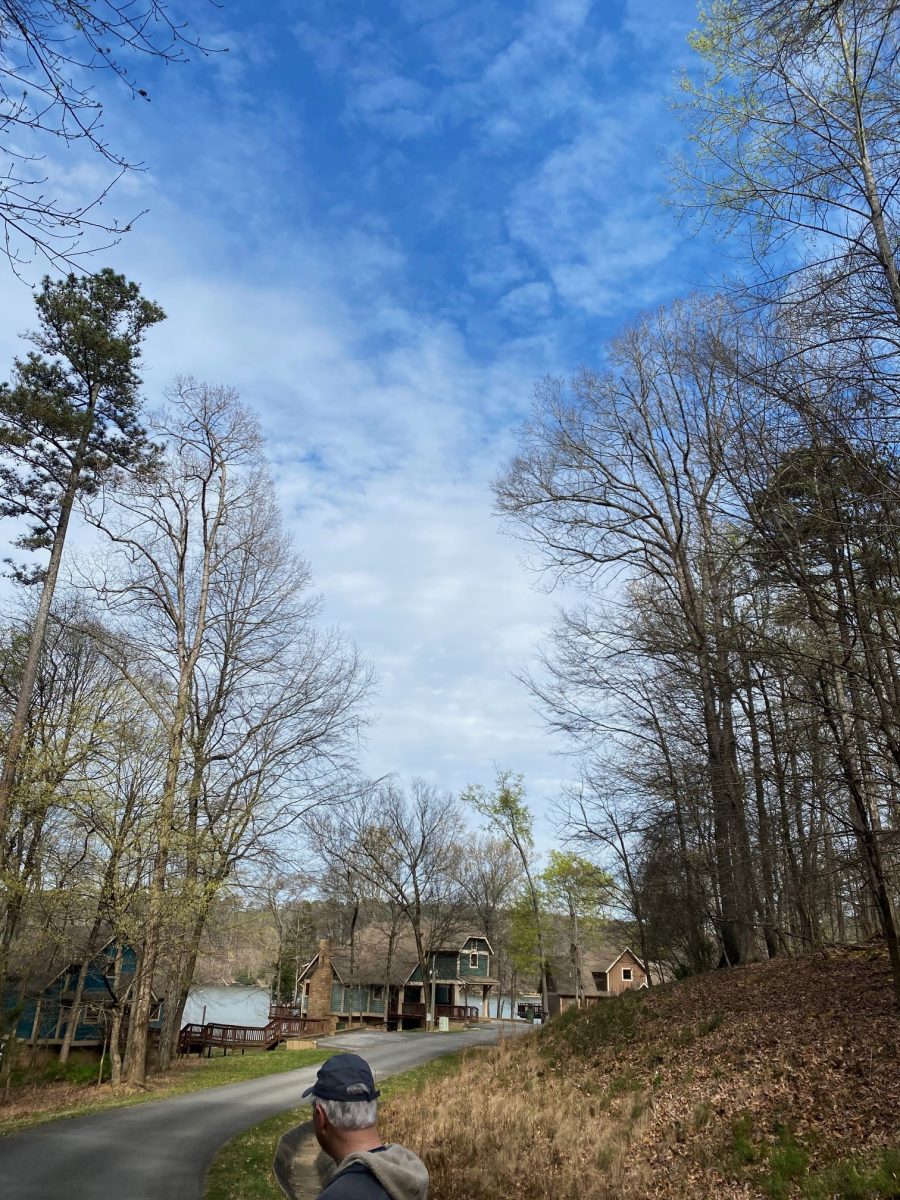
pixel 44 1002
pixel 598 974
pixel 379 981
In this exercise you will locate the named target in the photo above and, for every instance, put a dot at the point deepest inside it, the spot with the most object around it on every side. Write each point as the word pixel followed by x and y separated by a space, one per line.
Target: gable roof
pixel 42 977
pixel 370 956
pixel 599 958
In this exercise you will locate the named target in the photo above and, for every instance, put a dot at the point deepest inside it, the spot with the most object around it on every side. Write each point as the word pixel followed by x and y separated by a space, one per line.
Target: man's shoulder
pixel 355 1182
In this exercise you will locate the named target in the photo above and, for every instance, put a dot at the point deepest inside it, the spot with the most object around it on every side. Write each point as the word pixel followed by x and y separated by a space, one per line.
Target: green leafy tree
pixel 794 124
pixel 579 889
pixel 69 421
pixel 523 937
pixel 507 812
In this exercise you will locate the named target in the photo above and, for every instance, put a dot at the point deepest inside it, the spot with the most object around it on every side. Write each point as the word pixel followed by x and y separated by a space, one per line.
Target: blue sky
pixel 383 222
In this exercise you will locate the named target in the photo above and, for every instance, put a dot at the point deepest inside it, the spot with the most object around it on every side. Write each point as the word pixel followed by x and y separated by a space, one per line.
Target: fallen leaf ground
pixel 776 1080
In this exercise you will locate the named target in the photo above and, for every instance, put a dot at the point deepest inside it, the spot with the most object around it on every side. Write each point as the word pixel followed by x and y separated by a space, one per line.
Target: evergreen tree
pixel 69 421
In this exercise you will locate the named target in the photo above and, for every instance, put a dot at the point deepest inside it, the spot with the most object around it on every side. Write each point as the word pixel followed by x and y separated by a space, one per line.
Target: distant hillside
pixel 239 946
pixel 776 1080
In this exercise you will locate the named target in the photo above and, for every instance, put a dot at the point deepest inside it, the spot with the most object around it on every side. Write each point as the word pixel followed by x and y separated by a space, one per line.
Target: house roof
pixel 370 956
pixel 44 974
pixel 599 958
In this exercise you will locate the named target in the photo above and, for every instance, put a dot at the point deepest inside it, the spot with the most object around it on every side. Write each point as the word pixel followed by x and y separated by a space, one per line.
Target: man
pixel 345 1107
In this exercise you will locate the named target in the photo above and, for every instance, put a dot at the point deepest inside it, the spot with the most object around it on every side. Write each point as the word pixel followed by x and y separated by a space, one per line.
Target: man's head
pixel 345 1103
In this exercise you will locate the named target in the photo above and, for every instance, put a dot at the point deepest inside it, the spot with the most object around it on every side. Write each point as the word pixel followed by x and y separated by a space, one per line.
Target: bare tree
pixel 489 870
pixel 52 52
pixel 623 475
pixel 275 712
pixel 406 845
pixel 171 538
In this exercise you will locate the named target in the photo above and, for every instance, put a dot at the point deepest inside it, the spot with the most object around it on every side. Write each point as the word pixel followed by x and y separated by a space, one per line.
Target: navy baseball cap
pixel 344 1077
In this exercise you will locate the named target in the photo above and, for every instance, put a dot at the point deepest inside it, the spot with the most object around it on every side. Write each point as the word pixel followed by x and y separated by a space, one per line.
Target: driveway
pixel 161 1150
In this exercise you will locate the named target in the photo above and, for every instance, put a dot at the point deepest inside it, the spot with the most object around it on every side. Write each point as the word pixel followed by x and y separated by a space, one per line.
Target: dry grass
pixel 509 1126
pixel 777 1081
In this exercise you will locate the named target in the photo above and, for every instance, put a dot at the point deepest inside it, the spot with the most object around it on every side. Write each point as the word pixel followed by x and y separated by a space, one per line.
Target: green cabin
pixel 377 980
pixel 45 1004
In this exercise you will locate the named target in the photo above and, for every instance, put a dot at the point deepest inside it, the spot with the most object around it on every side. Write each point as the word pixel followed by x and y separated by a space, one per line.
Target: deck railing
pixel 456 1012
pixel 285 1011
pixel 248 1037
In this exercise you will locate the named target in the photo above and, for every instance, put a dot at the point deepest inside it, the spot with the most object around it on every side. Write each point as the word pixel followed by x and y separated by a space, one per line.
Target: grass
pixel 771 1082
pixel 582 1033
pixel 78 1072
pixel 67 1092
pixel 518 1121
pixel 779 1167
pixel 858 1179
pixel 242 1170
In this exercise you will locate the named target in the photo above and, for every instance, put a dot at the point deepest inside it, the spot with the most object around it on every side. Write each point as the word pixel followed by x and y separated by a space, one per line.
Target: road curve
pixel 161 1150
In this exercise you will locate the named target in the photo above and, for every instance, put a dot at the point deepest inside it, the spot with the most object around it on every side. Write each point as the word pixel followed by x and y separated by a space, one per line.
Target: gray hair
pixel 349 1114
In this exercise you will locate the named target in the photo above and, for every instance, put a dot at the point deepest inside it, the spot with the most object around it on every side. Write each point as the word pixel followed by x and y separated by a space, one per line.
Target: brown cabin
pixel 598 974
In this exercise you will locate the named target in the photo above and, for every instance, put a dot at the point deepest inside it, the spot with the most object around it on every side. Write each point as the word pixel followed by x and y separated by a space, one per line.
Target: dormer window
pixel 473 959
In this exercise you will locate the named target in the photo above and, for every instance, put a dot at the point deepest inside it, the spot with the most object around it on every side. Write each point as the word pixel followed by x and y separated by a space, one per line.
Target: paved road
pixel 161 1150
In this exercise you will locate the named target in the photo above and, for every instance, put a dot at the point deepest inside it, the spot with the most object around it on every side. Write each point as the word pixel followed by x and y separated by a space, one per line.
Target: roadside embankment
pixel 777 1080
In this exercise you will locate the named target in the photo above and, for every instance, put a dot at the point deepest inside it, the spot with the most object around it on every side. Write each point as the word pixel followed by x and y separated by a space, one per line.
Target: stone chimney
pixel 319 1005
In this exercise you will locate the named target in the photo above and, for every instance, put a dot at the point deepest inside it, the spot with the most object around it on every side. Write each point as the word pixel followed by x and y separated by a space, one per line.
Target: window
pixel 473 959
pixel 377 992
pixel 600 980
pixel 626 974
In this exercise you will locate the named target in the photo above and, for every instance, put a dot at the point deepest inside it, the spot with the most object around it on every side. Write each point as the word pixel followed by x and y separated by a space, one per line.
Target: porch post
pixel 36 1023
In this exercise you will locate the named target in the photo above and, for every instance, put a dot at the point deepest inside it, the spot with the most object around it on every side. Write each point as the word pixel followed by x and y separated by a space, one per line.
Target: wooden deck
pixel 197 1038
pixel 456 1012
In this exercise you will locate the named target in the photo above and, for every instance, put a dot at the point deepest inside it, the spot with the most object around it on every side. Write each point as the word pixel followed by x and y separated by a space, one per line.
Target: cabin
pixel 601 972
pixel 358 987
pixel 44 1002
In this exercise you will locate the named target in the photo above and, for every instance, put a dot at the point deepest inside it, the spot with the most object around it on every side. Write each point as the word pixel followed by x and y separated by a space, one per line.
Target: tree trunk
pixel 770 932
pixel 873 199
pixel 178 988
pixel 16 733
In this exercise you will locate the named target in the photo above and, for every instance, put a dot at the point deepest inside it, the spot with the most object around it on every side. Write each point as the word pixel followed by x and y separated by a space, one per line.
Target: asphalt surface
pixel 161 1150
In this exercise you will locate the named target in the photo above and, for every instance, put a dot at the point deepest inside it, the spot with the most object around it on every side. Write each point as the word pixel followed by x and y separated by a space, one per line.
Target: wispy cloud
pixel 381 224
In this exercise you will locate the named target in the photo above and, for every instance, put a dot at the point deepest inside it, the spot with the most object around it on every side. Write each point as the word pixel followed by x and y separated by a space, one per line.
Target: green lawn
pixel 76 1093
pixel 242 1170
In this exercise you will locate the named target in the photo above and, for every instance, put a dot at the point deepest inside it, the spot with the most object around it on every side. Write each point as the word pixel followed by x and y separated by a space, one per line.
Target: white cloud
pixel 528 302
pixel 382 449
pixel 384 424
pixel 592 214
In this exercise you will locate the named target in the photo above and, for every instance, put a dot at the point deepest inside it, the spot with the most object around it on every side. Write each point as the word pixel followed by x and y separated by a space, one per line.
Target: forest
pixel 724 494
pixel 719 497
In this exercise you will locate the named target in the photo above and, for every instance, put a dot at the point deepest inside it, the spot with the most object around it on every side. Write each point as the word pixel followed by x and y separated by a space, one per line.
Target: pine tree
pixel 69 421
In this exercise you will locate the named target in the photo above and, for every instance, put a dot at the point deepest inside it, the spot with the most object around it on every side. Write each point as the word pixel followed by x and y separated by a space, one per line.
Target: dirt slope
pixel 776 1080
